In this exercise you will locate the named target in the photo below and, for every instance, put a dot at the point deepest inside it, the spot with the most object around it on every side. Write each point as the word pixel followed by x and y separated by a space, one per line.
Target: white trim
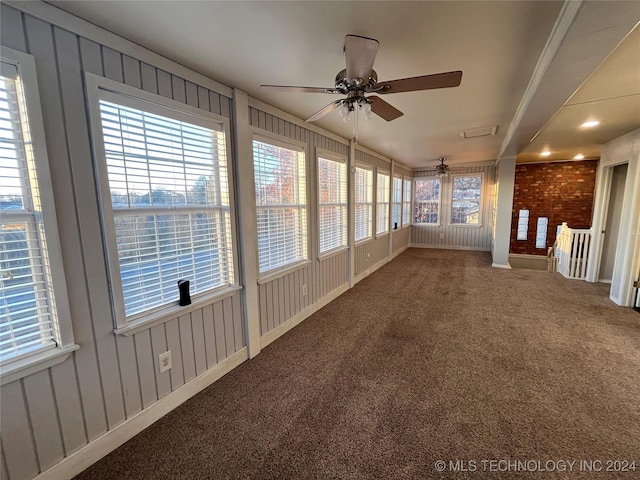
pixel 399 251
pixel 26 66
pixel 413 201
pixel 449 247
pixel 324 154
pixel 265 136
pixel 166 313
pixel 298 318
pixel 247 221
pixel 568 12
pixel 480 200
pixel 371 269
pixel 81 27
pixel 34 363
pixel 260 105
pixel 106 443
pixel 499 265
pixel 332 253
pixel 276 273
pixel 98 87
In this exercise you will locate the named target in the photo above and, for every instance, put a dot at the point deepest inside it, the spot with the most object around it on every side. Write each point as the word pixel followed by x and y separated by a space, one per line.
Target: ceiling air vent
pixel 478 132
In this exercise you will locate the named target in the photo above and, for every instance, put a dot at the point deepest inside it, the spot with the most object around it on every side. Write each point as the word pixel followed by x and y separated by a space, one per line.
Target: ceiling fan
pixel 359 79
pixel 442 169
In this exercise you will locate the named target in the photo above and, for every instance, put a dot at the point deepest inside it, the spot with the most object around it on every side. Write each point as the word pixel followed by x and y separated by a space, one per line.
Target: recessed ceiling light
pixel 579 156
pixel 590 123
pixel 546 153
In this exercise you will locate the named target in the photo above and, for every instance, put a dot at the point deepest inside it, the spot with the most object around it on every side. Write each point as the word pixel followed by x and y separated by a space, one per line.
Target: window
pixel 166 202
pixel 523 224
pixel 465 207
pixel 34 316
pixel 396 208
pixel 364 203
pixel 281 204
pixel 382 203
pixel 332 201
pixel 427 201
pixel 406 201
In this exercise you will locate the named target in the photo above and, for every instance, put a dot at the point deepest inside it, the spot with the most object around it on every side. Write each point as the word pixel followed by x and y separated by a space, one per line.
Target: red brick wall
pixel 562 192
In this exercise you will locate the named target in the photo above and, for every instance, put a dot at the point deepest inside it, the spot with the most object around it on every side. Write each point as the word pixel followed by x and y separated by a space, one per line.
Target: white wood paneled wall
pixel 282 298
pixel 111 378
pixel 455 236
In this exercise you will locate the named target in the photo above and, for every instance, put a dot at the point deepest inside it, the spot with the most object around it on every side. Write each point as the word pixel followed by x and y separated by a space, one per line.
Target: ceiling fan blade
pixel 324 110
pixel 384 109
pixel 291 88
pixel 425 82
pixel 360 53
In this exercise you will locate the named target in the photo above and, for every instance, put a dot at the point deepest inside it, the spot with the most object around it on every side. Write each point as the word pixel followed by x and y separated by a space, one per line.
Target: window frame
pixel 395 177
pixel 158 105
pixel 341 159
pixel 370 204
pixel 387 173
pixel 407 203
pixel 480 200
pixel 47 356
pixel 280 141
pixel 413 216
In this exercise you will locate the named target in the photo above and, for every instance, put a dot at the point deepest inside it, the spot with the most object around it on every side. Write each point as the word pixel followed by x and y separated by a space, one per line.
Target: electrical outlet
pixel 164 360
pixel 368 255
pixel 442 236
pixel 304 289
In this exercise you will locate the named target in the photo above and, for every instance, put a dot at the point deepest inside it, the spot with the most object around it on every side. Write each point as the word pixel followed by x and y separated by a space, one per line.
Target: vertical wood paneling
pixel 4 472
pixel 186 343
pixel 209 336
pixel 218 322
pixel 228 325
pixel 158 346
pixel 131 69
pixel 203 98
pixel 192 94
pixel 173 344
pixel 148 389
pixel 269 295
pixel 87 207
pixel 164 84
pixel 130 376
pixel 262 293
pixel 19 450
pixel 112 63
pixel 238 330
pixel 199 350
pixel 41 46
pixel 69 406
pixel 214 102
pixel 44 420
pixel 179 90
pixel 11 31
pixel 149 78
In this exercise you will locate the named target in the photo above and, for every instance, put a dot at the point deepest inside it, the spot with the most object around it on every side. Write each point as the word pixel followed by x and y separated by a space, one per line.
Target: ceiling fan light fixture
pixel 343 111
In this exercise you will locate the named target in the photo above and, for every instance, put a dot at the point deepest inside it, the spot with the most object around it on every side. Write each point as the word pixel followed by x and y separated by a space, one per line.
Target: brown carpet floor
pixel 436 356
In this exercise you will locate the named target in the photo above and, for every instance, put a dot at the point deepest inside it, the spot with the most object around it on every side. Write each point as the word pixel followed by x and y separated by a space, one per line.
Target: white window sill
pixel 332 253
pixel 406 226
pixel 381 234
pixel 144 322
pixel 427 225
pixel 466 225
pixel 281 272
pixel 35 363
pixel 362 241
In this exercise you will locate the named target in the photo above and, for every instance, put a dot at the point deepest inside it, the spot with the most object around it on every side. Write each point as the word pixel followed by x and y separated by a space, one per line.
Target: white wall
pixel 625 149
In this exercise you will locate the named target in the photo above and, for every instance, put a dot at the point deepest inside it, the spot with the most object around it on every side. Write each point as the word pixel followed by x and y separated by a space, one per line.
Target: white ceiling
pixel 245 44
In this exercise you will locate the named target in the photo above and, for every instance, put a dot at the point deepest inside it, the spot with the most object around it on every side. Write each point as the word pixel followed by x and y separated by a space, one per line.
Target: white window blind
pixel 168 184
pixel 363 203
pixel 396 208
pixel 465 206
pixel 281 205
pixel 332 186
pixel 406 201
pixel 28 320
pixel 382 203
pixel 427 200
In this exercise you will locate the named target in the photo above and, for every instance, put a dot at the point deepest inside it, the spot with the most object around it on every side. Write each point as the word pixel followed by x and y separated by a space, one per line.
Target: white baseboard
pixel 94 451
pixel 449 247
pixel 501 265
pixel 298 318
pixel 370 270
pixel 399 251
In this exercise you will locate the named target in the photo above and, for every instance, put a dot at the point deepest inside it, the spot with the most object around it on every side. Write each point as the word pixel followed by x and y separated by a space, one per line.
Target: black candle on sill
pixel 185 297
